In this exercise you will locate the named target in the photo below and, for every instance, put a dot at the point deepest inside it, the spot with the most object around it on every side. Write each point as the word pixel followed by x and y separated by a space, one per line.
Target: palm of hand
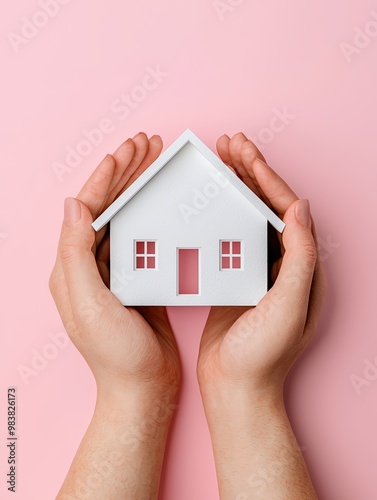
pixel 126 342
pixel 223 350
pixel 223 319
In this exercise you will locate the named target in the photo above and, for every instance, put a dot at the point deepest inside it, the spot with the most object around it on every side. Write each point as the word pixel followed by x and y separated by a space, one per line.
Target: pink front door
pixel 188 271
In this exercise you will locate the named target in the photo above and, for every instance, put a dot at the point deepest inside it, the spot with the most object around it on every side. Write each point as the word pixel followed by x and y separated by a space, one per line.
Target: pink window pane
pixel 151 262
pixel 225 247
pixel 140 247
pixel 236 262
pixel 139 262
pixel 151 247
pixel 236 245
pixel 225 263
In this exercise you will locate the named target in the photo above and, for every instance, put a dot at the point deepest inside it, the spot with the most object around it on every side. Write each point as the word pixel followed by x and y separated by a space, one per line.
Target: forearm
pixel 121 454
pixel 256 453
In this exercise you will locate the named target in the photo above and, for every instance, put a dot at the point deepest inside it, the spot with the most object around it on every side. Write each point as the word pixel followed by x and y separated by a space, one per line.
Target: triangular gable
pixel 163 159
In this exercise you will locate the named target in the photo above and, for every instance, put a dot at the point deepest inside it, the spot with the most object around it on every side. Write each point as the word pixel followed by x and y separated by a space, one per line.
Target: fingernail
pixel 303 213
pixel 72 210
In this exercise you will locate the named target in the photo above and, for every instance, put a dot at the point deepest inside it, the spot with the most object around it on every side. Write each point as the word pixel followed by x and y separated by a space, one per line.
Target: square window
pixel 225 262
pixel 139 262
pixel 236 263
pixel 139 247
pixel 236 247
pixel 225 247
pixel 145 255
pixel 151 247
pixel 151 263
pixel 230 254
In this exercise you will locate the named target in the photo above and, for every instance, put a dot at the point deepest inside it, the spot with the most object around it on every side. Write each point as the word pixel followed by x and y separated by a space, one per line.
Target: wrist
pixel 243 419
pixel 138 421
pixel 155 401
pixel 233 400
pixel 258 383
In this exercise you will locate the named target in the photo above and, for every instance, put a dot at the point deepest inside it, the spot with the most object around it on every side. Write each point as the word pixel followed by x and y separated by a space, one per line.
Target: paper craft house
pixel 188 231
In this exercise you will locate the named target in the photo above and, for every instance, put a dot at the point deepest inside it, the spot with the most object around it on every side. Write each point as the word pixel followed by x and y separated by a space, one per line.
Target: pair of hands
pixel 253 346
pixel 245 351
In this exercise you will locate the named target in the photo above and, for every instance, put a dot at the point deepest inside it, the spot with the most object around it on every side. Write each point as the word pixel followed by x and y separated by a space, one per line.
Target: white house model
pixel 188 231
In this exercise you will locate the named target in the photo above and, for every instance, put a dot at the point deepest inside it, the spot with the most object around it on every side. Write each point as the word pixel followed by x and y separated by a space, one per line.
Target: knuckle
pixel 68 253
pixel 249 147
pixel 310 252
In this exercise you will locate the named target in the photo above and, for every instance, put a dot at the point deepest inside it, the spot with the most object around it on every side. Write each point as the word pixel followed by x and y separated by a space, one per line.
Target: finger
pixel 223 149
pixel 222 146
pixel 275 190
pixel 293 284
pixel 123 156
pixel 141 143
pixel 154 151
pixel 316 301
pixel 88 295
pixel 95 190
pixel 252 152
pixel 249 153
pixel 317 295
pixel 235 148
pixel 59 292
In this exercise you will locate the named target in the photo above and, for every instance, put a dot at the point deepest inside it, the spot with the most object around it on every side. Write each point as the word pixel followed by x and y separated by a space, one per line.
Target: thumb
pixel 295 278
pixel 87 292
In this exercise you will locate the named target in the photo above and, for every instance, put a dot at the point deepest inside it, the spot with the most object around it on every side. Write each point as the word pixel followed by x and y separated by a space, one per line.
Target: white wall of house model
pixel 188 231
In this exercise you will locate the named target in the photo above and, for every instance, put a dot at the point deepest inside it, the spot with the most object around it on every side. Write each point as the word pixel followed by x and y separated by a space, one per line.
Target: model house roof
pixel 164 158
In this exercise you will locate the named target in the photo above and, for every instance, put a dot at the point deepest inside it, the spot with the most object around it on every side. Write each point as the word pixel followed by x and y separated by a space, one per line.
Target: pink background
pixel 222 75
